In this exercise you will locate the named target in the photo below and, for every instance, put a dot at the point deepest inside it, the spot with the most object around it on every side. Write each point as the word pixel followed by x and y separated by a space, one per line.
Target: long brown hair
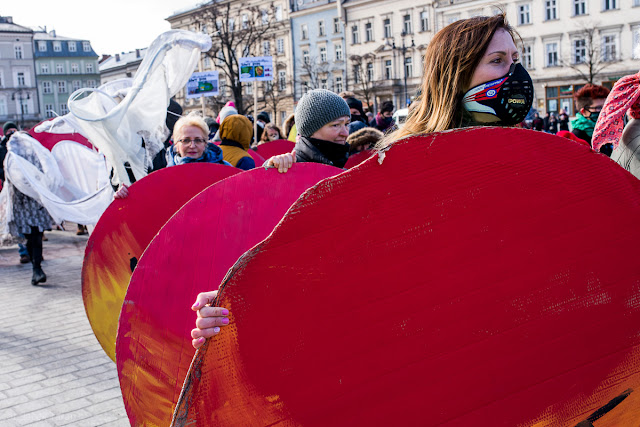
pixel 449 62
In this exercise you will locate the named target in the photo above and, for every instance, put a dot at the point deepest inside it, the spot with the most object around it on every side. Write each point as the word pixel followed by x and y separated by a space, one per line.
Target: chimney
pixel 52 33
pixel 117 57
pixel 137 53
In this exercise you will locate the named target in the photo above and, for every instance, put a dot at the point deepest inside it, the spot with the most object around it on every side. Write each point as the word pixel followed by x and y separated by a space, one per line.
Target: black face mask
pixel 508 98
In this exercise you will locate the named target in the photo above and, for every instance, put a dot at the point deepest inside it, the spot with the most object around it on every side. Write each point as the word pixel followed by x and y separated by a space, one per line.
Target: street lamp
pixel 404 49
pixel 19 94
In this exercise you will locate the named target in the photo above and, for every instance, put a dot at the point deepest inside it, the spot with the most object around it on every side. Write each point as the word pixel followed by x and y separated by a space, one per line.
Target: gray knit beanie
pixel 317 108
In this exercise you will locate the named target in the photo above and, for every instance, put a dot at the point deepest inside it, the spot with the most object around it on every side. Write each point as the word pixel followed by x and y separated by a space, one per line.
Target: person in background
pixel 236 133
pixel 552 125
pixel 224 113
pixel 262 120
pixel 563 121
pixel 589 101
pixel 384 119
pixel 358 119
pixel 537 123
pixel 364 139
pixel 290 130
pixel 271 133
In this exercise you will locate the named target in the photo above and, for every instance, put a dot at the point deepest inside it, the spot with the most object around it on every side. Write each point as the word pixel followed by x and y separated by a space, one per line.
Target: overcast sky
pixel 112 26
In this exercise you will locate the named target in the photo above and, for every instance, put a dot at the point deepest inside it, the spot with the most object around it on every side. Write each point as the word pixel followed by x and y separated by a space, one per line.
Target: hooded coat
pixel 235 134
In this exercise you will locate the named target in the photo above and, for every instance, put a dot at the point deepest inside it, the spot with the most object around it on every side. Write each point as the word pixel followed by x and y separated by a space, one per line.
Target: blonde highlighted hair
pixel 191 119
pixel 449 62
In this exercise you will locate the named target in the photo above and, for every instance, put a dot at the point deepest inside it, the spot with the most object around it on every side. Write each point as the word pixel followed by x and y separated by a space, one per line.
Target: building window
pixel 370 71
pixel 305 56
pixel 304 32
pixel 321 28
pixel 368 32
pixel 609 4
pixel 3 106
pixel 355 36
pixel 278 13
pixel 266 48
pixel 245 21
pixel 206 62
pixel 249 88
pixel 387 69
pixel 524 14
pixel 75 68
pixel 338 48
pixel 636 3
pixel 73 47
pixel 323 54
pixel 24 106
pixel 265 17
pixel 91 83
pixel 635 42
pixel 305 87
pixel 18 51
pixel 609 48
pixel 560 98
pixel 76 84
pixel 48 111
pixel 1 79
pixel 64 109
pixel 323 84
pixel 20 79
pixel 57 47
pixel 338 84
pixel 59 69
pixel 62 87
pixel 579 51
pixel 551 50
pixel 282 81
pixel 527 57
pixel 408 66
pixel 231 24
pixel 406 24
pixel 46 87
pixel 579 7
pixel 336 25
pixel 42 46
pixel 86 46
pixel 89 68
pixel 424 21
pixel 386 24
pixel 44 68
pixel 551 10
pixel 356 73
pixel 280 45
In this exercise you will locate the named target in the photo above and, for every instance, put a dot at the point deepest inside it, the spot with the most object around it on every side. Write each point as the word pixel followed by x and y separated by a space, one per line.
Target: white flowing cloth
pixel 72 186
pixel 116 126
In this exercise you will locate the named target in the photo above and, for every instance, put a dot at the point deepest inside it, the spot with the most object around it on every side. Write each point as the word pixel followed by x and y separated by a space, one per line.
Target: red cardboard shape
pixel 191 254
pixel 461 282
pixel 357 158
pixel 124 231
pixel 48 140
pixel 273 148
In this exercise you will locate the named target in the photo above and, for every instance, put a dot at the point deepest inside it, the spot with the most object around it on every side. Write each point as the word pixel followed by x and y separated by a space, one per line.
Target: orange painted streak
pixel 106 276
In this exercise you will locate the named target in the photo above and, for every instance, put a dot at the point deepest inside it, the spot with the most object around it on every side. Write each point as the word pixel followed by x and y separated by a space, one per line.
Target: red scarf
pixel 624 96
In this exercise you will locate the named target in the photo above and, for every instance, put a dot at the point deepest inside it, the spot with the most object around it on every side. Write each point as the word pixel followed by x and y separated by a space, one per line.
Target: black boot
pixel 38 276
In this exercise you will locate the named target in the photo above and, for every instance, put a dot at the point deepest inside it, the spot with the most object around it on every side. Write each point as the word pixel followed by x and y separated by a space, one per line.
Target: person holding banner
pixel 463 62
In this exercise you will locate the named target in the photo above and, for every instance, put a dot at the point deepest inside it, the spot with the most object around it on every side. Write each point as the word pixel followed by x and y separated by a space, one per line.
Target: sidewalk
pixel 53 372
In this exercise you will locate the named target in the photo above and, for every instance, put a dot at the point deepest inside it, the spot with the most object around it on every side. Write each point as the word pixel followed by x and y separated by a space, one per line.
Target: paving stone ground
pixel 53 371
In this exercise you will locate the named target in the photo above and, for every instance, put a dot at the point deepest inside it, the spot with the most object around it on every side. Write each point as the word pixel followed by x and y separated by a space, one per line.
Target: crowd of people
pixel 471 71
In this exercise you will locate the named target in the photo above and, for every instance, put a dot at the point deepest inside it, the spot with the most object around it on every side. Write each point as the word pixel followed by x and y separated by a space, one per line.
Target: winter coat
pixel 235 133
pixel 212 154
pixel 320 151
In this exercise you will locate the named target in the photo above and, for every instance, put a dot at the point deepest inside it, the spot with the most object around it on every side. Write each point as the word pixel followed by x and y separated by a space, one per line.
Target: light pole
pixel 404 49
pixel 19 94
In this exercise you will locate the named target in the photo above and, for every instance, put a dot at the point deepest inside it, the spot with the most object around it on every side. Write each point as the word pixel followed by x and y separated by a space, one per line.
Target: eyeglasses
pixel 188 141
pixel 594 109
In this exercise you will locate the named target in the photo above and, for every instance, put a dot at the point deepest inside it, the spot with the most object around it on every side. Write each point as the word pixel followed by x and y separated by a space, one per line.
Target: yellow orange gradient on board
pixel 106 276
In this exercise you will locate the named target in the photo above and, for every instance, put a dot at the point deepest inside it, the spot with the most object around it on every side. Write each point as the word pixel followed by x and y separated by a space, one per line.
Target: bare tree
pixel 236 31
pixel 364 85
pixel 313 70
pixel 588 57
pixel 275 94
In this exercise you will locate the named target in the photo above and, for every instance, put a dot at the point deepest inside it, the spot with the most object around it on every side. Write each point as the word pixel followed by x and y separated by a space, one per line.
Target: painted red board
pixel 256 157
pixel 461 282
pixel 273 148
pixel 191 254
pixel 124 231
pixel 48 140
pixel 357 158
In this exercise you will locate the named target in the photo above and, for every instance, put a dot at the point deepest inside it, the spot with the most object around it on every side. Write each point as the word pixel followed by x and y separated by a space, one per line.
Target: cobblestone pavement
pixel 53 371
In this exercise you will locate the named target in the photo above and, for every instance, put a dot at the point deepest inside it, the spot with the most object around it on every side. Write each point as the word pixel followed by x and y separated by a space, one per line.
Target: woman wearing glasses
pixel 190 145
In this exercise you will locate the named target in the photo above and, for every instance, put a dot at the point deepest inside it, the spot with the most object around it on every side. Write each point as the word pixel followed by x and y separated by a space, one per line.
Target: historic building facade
pixel 18 93
pixel 121 65
pixel 63 65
